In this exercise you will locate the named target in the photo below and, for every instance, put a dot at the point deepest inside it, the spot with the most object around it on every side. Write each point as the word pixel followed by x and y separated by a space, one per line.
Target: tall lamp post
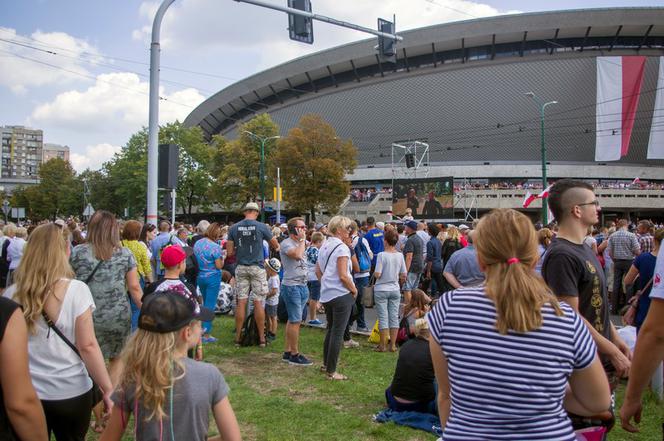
pixel 542 105
pixel 263 140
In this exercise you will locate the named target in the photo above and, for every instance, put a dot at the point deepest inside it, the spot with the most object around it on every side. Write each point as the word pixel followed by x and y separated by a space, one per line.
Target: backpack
pixel 161 250
pixel 403 334
pixel 362 254
pixel 191 271
pixel 249 334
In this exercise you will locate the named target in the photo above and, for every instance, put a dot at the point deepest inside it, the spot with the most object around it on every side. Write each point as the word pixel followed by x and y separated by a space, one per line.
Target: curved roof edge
pixel 510 27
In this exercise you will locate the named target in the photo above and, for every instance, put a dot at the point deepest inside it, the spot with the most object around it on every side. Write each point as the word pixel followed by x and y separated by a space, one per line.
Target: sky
pixel 79 69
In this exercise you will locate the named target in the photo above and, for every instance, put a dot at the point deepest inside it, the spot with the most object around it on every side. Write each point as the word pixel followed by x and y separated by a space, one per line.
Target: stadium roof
pixel 460 87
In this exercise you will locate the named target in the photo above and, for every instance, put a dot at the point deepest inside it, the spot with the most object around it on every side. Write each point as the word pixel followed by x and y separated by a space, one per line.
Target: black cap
pixel 169 311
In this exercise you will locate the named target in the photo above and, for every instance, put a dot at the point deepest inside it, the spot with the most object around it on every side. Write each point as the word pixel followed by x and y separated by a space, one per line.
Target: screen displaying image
pixel 428 198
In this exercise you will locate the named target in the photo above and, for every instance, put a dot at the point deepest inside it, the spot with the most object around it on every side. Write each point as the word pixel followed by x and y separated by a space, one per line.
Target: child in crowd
pixel 273 266
pixel 169 394
pixel 173 259
pixel 313 283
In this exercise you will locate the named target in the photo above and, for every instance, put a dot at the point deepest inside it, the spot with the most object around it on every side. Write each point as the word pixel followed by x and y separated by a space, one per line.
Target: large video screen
pixel 427 198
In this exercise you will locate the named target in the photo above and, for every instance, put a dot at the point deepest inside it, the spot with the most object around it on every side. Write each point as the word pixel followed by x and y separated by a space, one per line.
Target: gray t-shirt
pixel 295 270
pixel 463 264
pixel 194 395
pixel 414 245
pixel 389 265
pixel 248 236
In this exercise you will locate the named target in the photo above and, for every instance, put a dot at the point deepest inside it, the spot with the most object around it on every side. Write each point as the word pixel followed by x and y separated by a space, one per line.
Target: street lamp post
pixel 262 140
pixel 542 105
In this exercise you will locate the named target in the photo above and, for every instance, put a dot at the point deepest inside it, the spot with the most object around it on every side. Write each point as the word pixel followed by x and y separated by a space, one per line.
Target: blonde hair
pixel 150 369
pixel 453 233
pixel 103 234
pixel 338 223
pixel 544 237
pixel 43 263
pixel 9 229
pixel 516 290
pixel 22 232
pixel 317 237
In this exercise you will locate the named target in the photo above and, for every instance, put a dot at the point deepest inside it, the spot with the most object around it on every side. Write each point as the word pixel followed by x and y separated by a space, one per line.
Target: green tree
pixel 236 164
pixel 57 194
pixel 314 164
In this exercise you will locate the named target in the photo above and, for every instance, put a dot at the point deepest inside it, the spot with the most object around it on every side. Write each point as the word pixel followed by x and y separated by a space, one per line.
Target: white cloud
pixel 117 102
pixel 24 60
pixel 93 156
pixel 226 29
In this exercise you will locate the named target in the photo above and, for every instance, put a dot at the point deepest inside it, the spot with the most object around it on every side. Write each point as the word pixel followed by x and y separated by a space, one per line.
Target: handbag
pixel 629 312
pixel 97 394
pixel 368 293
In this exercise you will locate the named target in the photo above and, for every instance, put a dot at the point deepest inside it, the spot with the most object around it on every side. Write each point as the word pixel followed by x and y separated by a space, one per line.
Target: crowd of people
pixel 502 327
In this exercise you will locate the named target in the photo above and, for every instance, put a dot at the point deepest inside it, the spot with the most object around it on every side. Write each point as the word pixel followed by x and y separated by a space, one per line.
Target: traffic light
pixel 386 46
pixel 300 28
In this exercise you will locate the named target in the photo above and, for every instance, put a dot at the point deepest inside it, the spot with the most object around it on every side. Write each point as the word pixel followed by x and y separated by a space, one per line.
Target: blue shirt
pixel 162 239
pixel 463 264
pixel 434 251
pixel 645 263
pixel 206 253
pixel 375 239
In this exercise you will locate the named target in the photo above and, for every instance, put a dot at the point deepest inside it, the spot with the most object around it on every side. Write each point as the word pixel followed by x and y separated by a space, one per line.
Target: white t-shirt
pixel 390 266
pixel 425 238
pixel 331 287
pixel 366 247
pixel 15 251
pixel 657 291
pixel 273 282
pixel 57 372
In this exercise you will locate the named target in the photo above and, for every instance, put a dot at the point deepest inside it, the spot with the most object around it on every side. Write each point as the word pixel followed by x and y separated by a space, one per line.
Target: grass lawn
pixel 276 401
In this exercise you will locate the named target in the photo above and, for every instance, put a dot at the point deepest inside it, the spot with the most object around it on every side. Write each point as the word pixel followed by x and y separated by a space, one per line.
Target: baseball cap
pixel 251 206
pixel 464 227
pixel 283 226
pixel 169 311
pixel 411 224
pixel 172 255
pixel 380 224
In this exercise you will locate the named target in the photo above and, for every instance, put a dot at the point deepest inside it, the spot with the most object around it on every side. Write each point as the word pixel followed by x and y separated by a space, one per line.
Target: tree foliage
pixel 236 164
pixel 313 163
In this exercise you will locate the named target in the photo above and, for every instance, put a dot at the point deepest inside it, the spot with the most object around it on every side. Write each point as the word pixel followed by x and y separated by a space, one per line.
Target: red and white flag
pixel 528 200
pixel 545 192
pixel 656 142
pixel 619 81
pixel 635 181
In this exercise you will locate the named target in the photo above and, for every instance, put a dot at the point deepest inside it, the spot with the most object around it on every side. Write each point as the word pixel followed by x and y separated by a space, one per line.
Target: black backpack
pixel 249 334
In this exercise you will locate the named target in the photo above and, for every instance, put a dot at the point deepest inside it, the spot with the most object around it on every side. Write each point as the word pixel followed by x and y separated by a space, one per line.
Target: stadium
pixel 457 93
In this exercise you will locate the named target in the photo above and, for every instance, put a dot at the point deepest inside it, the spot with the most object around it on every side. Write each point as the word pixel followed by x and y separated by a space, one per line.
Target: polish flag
pixel 545 192
pixel 619 81
pixel 528 200
pixel 635 181
pixel 656 142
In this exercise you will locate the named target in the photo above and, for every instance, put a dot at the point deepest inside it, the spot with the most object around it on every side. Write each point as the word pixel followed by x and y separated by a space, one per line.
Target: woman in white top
pixel 390 270
pixel 338 291
pixel 15 251
pixel 45 285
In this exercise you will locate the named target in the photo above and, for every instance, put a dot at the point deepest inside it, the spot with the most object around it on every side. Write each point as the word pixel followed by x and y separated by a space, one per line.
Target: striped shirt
pixel 623 245
pixel 507 386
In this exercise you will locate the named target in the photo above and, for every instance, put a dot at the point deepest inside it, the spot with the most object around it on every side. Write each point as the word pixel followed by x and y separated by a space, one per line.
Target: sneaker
pixel 362 329
pixel 270 337
pixel 315 322
pixel 299 360
pixel 351 344
pixel 286 357
pixel 209 339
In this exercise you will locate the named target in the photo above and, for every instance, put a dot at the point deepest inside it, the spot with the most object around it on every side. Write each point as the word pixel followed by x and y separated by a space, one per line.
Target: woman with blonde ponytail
pixel 45 288
pixel 509 359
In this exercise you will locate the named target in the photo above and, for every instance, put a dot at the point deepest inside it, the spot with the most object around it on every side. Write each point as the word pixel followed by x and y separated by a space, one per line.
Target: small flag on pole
pixel 529 199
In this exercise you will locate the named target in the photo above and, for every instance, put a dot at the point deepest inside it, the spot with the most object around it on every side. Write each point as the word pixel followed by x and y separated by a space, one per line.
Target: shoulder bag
pixel 368 293
pixel 97 394
pixel 629 315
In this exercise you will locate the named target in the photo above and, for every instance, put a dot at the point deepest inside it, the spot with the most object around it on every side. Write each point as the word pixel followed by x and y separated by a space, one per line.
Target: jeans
pixel 620 269
pixel 418 406
pixel 209 286
pixel 135 310
pixel 68 419
pixel 387 308
pixel 437 286
pixel 337 312
pixel 360 283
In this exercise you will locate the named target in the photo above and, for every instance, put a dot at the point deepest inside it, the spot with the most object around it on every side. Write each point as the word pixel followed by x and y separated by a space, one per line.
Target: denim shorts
pixel 271 310
pixel 295 298
pixel 314 290
pixel 412 281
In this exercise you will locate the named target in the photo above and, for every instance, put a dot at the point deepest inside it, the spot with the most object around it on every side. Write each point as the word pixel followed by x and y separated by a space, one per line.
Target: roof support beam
pixel 585 38
pixel 357 76
pixel 311 82
pixel 493 46
pixel 247 105
pixel 260 100
pixel 380 66
pixel 615 38
pixel 215 118
pixel 405 58
pixel 554 41
pixel 463 50
pixel 274 92
pixel 334 80
pixel 295 91
pixel 433 53
pixel 523 43
pixel 232 107
pixel 645 37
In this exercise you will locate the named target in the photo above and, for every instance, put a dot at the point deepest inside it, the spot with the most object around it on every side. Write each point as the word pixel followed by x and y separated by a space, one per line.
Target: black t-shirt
pixel 573 270
pixel 414 376
pixel 7 308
